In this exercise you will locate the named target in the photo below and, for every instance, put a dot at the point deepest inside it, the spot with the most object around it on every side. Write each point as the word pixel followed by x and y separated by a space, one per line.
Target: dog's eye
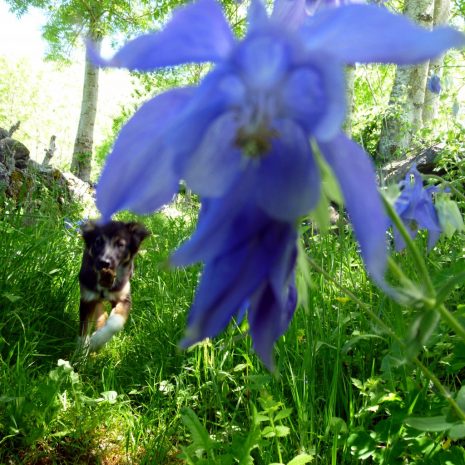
pixel 121 243
pixel 98 241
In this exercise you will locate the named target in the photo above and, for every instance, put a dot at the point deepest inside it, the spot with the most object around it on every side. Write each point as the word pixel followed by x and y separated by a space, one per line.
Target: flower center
pixel 255 142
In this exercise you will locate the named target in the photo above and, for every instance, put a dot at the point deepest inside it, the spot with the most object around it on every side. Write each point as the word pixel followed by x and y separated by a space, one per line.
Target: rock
pixel 20 184
pixel 4 133
pixel 13 151
pixel 4 178
pixel 20 177
pixel 426 162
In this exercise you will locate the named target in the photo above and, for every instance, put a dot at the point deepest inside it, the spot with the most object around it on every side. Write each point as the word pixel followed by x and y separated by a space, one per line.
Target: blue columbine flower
pixel 249 262
pixel 415 207
pixel 244 132
pixel 434 84
pixel 313 6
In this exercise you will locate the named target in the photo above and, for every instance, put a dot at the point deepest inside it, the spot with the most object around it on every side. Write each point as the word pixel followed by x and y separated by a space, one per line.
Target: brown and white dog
pixel 107 266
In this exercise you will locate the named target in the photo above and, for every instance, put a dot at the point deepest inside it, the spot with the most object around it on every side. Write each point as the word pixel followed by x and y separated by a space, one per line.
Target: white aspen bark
pixel 394 132
pixel 405 113
pixel 431 104
pixel 350 79
pixel 422 12
pixel 82 153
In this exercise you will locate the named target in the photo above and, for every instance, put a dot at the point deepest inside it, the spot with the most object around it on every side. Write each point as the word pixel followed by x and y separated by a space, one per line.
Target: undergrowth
pixel 343 392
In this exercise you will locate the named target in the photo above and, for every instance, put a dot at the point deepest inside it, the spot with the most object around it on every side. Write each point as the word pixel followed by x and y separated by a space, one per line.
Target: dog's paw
pixel 113 325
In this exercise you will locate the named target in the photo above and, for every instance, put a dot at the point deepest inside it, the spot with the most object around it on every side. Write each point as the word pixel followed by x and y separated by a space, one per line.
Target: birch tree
pixel 67 22
pixel 350 81
pixel 431 103
pixel 81 163
pixel 405 112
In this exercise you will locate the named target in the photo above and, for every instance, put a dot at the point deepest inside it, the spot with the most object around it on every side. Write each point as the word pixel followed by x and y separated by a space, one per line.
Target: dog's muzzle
pixel 107 277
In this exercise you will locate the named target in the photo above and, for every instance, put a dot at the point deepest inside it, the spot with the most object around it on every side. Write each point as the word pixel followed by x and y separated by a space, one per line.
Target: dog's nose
pixel 103 263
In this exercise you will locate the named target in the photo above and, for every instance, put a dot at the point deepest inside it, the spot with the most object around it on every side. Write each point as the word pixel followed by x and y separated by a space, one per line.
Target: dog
pixel 106 270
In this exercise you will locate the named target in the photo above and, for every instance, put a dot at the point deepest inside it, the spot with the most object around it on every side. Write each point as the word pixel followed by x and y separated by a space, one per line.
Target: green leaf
pixel 362 445
pixel 11 297
pixel 356 339
pixel 241 367
pixel 282 431
pixel 449 215
pixel 284 413
pixel 460 399
pixel 200 436
pixel 337 426
pixel 319 215
pixel 241 448
pixel 301 459
pixel 330 191
pixel 268 432
pixel 421 330
pixel 448 286
pixel 457 431
pixel 329 185
pixel 432 424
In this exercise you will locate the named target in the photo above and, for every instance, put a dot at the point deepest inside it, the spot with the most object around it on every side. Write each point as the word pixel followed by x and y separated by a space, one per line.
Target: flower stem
pixel 448 184
pixel 417 258
pixel 451 320
pixel 437 383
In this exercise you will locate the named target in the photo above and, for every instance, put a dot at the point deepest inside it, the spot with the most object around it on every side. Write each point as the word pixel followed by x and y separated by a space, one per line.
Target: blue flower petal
pixel 416 209
pixel 264 320
pixel 289 13
pixel 287 178
pixel 263 60
pixel 218 91
pixel 257 16
pixel 223 225
pixel 315 96
pixel 368 33
pixel 434 84
pixel 138 173
pixel 269 317
pixel 356 175
pixel 209 171
pixel 197 33
pixel 229 280
pixel 272 306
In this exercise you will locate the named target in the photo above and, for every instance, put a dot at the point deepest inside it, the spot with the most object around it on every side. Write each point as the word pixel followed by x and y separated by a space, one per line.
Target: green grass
pixel 341 394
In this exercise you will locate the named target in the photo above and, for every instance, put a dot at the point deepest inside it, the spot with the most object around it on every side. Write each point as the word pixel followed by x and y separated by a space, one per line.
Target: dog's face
pixel 111 247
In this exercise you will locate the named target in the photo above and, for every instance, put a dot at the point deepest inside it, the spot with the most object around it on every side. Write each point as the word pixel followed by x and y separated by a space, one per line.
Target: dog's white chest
pixel 102 293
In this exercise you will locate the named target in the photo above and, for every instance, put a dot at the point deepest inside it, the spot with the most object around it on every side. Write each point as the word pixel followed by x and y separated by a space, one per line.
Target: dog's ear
pixel 138 233
pixel 89 231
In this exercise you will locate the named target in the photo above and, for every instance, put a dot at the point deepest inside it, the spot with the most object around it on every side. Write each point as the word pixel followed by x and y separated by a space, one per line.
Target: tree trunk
pixel 82 153
pixel 404 116
pixel 431 105
pixel 350 80
pixel 422 12
pixel 394 131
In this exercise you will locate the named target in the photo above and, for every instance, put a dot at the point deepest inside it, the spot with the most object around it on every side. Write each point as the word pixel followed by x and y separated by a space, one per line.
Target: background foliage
pixel 345 393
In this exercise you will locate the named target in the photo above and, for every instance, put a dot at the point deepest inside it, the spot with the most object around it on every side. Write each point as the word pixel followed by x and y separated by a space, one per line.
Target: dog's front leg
pixel 86 316
pixel 113 325
pixel 87 312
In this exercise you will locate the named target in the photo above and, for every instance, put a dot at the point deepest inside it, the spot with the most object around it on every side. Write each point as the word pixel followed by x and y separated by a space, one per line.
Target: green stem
pixel 451 320
pixel 417 258
pixel 448 184
pixel 278 448
pixel 397 271
pixel 437 383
